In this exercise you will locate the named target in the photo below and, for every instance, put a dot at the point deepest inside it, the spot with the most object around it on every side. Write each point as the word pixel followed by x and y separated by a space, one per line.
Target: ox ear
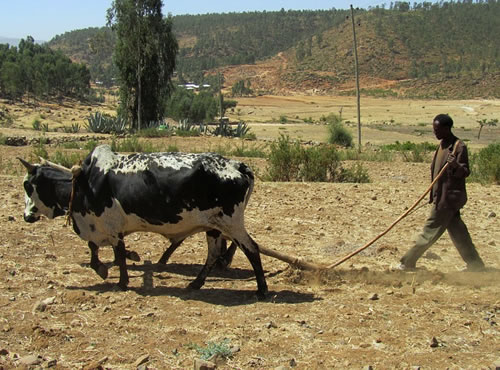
pixel 30 167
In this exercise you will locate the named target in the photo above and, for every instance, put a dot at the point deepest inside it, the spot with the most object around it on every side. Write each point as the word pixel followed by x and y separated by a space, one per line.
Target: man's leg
pixel 461 239
pixel 434 227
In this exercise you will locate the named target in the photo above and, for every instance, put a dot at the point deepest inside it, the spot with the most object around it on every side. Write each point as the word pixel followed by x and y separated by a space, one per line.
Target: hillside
pixel 437 51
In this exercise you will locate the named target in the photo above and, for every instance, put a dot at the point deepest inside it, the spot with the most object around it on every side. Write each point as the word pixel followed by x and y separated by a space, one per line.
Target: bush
pixel 284 160
pixel 290 162
pixel 337 133
pixel 412 152
pixel 485 165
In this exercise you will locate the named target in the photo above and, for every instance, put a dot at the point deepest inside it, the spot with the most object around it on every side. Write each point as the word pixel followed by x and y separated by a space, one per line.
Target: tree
pixel 145 54
pixel 485 122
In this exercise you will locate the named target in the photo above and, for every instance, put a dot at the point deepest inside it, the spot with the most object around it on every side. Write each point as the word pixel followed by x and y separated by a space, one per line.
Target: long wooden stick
pixel 395 222
pixel 292 260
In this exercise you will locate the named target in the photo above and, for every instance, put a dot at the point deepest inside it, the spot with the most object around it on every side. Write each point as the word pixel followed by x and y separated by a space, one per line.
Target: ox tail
pixel 247 173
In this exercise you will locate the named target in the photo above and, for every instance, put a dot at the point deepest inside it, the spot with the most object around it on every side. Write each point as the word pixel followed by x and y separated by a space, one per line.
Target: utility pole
pixel 356 68
pixel 221 99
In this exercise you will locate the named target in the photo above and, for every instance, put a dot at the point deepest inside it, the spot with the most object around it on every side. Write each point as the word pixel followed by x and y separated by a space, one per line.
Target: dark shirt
pixel 449 191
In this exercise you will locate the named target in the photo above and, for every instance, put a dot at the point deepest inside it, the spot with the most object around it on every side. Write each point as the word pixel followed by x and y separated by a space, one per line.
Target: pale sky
pixel 44 19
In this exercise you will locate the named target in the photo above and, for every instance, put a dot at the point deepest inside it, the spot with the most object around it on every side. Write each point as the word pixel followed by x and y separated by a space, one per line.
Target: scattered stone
pixel 40 307
pixel 141 360
pixel 368 367
pixel 270 325
pixel 432 256
pixel 292 362
pixel 29 360
pixel 49 301
pixel 11 218
pixel 200 364
pixel 4 352
pixel 434 342
pixel 492 243
pixel 492 214
pixel 52 363
pixel 373 297
pixel 374 197
pixel 268 228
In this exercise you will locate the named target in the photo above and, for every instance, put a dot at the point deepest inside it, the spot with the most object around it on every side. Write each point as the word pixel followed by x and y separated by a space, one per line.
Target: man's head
pixel 441 126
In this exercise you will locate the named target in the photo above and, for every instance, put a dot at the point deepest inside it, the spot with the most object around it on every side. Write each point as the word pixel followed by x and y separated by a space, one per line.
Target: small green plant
pixel 36 124
pixel 67 159
pixel 253 152
pixel 221 349
pixel 485 165
pixel 186 129
pixel 357 173
pixel 70 145
pixel 283 119
pixel 3 139
pixel 90 145
pixel 241 130
pixel 40 151
pixel 73 129
pixel 134 145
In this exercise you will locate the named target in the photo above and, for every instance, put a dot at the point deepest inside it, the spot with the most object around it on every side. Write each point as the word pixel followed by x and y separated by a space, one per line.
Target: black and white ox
pixel 172 194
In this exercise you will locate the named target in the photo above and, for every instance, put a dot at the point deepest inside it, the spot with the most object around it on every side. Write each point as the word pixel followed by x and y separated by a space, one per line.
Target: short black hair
pixel 444 120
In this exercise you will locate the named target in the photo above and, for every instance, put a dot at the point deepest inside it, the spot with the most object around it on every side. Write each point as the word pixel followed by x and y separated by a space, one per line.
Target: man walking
pixel 448 196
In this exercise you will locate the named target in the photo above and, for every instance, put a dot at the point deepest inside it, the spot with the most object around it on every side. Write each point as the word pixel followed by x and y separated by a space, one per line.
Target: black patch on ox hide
pixel 160 194
pixel 52 186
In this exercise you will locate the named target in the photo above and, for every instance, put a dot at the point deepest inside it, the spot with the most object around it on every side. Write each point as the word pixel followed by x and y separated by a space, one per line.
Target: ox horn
pixel 31 168
pixel 54 165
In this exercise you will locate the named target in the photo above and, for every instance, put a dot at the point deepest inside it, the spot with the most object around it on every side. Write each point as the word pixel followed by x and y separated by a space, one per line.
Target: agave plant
pixel 241 130
pixel 106 124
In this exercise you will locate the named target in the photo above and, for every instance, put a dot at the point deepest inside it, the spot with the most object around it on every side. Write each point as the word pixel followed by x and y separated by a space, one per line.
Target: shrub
pixel 290 162
pixel 284 160
pixel 337 133
pixel 221 349
pixel 356 173
pixel 485 165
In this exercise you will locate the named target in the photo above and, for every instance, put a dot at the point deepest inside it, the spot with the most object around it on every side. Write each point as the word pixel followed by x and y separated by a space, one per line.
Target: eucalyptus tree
pixel 144 54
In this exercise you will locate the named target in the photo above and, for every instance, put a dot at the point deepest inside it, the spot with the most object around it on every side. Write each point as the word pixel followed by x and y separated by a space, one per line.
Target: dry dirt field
pixel 56 312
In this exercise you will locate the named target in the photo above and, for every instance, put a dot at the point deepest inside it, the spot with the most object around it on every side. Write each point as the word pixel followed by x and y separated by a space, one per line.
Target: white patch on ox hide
pixel 34 201
pixel 107 160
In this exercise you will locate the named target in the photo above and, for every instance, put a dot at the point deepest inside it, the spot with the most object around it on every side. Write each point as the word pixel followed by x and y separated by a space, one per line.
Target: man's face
pixel 440 131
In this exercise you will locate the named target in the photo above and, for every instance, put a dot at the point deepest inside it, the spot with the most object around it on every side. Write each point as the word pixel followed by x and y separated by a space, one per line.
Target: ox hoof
pixel 133 256
pixel 102 271
pixel 122 287
pixel 195 285
pixel 261 296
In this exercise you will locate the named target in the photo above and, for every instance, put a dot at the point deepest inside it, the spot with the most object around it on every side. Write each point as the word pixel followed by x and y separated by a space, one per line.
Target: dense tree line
pixel 38 72
pixel 450 38
pixel 196 108
pixel 244 38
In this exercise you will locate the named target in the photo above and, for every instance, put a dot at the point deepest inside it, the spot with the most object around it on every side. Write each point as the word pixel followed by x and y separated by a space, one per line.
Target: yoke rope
pixel 76 170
